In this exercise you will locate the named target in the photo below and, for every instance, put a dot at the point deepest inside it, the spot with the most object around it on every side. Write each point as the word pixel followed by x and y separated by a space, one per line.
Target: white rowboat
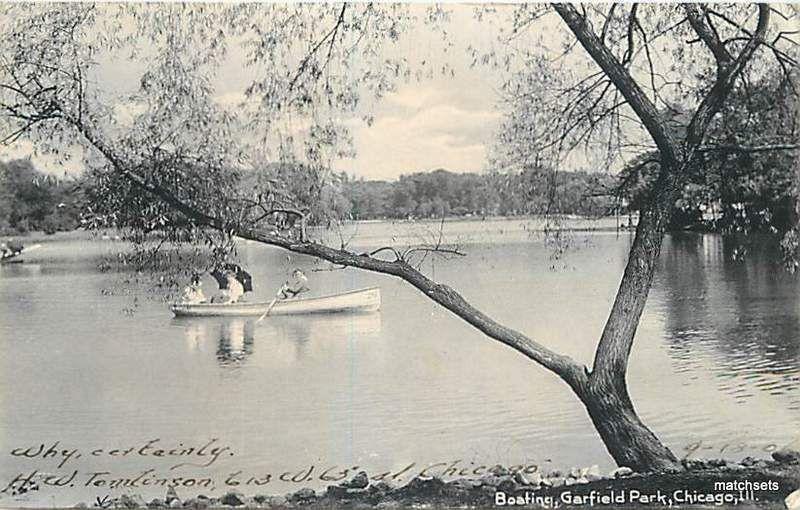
pixel 357 301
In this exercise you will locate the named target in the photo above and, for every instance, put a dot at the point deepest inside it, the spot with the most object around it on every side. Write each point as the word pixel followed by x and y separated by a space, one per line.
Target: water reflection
pixel 236 342
pixel 735 318
pixel 288 338
pixel 233 339
pixel 331 325
pixel 9 270
pixel 317 335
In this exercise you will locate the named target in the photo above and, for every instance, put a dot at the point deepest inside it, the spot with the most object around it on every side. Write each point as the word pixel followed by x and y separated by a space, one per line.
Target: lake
pixel 284 402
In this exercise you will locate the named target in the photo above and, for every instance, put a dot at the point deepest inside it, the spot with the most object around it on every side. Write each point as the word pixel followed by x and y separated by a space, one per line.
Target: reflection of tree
pixel 738 318
pixel 235 341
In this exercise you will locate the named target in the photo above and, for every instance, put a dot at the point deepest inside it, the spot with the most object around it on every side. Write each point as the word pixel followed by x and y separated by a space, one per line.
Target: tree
pixel 32 200
pixel 759 182
pixel 791 241
pixel 575 110
pixel 182 160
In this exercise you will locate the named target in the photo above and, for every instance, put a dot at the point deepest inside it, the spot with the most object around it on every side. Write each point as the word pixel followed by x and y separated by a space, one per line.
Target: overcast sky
pixel 444 122
pixel 424 126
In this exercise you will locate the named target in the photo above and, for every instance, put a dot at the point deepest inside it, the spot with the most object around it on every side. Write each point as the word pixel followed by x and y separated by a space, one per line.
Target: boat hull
pixel 357 301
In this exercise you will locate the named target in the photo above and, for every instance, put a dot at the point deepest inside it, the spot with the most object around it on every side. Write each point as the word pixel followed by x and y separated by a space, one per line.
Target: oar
pixel 272 303
pixel 32 247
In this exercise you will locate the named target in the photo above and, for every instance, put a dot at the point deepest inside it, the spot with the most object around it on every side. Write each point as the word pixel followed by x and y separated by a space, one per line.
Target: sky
pixel 423 126
pixel 444 122
pixel 447 122
pixel 441 122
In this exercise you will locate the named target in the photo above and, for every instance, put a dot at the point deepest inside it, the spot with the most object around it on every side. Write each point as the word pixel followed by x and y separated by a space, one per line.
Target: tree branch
pixel 330 35
pixel 607 22
pixel 707 34
pixel 630 90
pixel 564 366
pixel 632 22
pixel 749 148
pixel 726 77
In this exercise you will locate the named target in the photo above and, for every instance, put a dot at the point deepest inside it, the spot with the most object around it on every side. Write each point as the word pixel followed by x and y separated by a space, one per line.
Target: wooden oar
pixel 272 303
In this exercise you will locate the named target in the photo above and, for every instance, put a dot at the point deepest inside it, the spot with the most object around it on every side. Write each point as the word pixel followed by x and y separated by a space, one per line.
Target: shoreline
pixel 602 222
pixel 702 483
pixel 530 224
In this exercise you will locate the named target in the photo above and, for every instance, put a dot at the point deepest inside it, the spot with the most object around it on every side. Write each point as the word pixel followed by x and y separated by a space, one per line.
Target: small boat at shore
pixel 356 301
pixel 12 258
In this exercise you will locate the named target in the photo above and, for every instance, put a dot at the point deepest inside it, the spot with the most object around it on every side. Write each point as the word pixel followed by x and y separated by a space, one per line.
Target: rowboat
pixel 356 301
pixel 12 259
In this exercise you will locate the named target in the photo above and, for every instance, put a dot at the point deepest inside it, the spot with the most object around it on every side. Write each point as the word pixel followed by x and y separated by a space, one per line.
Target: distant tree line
pixel 743 191
pixel 32 200
pixel 444 193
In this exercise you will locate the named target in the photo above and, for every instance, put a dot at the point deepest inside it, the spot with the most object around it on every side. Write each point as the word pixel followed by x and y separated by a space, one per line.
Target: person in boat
pixel 232 291
pixel 193 293
pixel 10 249
pixel 297 284
pixel 233 283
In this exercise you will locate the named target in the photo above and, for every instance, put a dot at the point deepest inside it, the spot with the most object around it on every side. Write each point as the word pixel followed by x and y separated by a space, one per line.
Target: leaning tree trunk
pixel 605 394
pixel 625 436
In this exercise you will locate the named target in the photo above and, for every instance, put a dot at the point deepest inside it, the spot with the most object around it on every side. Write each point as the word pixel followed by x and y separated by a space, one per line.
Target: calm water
pixel 715 368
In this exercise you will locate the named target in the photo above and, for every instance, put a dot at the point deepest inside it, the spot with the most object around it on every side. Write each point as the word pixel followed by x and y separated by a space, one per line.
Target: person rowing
pixel 296 285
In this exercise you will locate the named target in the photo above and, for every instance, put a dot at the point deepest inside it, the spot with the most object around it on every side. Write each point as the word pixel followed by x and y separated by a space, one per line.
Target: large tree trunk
pixel 626 438
pixel 605 395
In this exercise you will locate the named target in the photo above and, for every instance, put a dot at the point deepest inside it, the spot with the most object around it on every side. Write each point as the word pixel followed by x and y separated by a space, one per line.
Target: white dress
pixel 234 290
